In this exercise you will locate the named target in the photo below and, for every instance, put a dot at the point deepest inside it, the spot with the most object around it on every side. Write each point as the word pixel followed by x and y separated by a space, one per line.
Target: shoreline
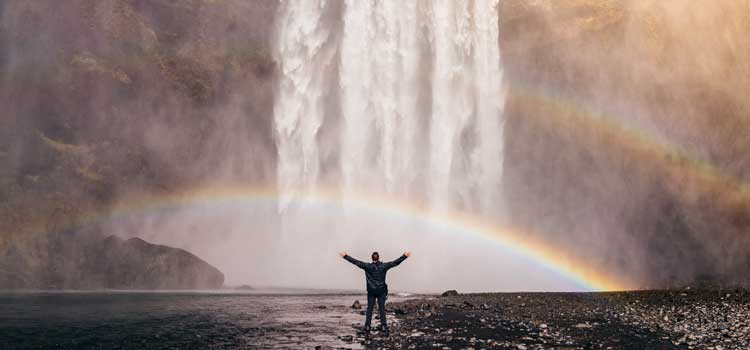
pixel 656 319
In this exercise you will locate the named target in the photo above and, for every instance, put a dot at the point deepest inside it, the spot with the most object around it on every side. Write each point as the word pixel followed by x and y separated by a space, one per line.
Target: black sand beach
pixel 677 319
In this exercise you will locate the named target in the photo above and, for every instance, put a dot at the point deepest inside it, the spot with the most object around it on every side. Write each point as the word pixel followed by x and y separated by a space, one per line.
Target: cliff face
pixel 81 260
pixel 101 98
pixel 135 263
pixel 626 134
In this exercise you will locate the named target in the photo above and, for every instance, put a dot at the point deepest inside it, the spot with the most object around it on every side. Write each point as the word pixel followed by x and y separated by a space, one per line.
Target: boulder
pixel 449 293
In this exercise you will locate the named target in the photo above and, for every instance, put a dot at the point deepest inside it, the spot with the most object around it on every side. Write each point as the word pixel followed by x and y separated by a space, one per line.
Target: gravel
pixel 675 319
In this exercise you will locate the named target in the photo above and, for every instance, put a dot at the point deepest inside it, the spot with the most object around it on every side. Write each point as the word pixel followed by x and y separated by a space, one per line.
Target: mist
pixel 453 106
pixel 637 137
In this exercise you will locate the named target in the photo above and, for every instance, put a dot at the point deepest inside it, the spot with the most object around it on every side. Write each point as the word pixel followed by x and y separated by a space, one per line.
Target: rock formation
pixel 102 98
pixel 626 134
pixel 75 260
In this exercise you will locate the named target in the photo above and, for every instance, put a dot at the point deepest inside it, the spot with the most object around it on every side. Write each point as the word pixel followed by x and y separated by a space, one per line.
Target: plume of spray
pixel 417 107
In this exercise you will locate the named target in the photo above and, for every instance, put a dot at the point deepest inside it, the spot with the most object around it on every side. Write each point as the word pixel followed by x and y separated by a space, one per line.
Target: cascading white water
pixel 419 98
pixel 303 43
pixel 378 93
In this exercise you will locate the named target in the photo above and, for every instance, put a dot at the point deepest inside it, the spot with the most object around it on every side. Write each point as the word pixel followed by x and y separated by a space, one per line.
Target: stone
pixel 449 293
pixel 356 305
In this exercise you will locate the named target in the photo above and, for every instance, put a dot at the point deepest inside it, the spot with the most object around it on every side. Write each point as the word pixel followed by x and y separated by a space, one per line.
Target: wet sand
pixel 176 320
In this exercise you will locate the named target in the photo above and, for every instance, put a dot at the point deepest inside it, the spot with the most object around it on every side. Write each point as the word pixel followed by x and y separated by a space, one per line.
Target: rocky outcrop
pixel 449 293
pixel 244 287
pixel 135 263
pixel 85 261
pixel 107 97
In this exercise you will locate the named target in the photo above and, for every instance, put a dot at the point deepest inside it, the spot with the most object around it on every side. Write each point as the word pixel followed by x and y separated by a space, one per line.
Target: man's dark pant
pixel 381 308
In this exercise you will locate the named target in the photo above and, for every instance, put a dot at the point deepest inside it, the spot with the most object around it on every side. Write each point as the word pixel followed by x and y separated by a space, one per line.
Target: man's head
pixel 375 256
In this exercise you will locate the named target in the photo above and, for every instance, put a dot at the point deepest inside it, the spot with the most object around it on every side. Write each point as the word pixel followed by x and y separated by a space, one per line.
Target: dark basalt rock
pixel 449 293
pixel 137 264
pixel 87 261
pixel 323 347
pixel 667 319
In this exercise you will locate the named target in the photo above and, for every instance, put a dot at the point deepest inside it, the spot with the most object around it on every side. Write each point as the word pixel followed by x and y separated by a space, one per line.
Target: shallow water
pixel 132 320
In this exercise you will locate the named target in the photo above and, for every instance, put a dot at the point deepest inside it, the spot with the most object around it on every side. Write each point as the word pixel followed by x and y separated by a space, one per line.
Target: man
pixel 376 287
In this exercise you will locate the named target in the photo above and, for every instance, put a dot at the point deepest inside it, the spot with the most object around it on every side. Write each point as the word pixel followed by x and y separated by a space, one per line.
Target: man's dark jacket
pixel 375 273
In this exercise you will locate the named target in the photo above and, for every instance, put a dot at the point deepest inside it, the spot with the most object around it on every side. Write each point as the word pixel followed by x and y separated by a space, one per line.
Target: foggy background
pixel 624 138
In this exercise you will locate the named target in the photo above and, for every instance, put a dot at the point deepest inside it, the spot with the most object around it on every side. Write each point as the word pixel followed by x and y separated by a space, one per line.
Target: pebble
pixel 684 319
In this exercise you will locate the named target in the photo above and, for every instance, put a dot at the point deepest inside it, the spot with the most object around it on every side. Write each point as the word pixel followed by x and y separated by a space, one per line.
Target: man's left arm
pixel 398 261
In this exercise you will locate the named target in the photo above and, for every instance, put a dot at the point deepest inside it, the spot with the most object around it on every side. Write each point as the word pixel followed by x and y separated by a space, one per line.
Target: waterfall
pixel 304 46
pixel 411 90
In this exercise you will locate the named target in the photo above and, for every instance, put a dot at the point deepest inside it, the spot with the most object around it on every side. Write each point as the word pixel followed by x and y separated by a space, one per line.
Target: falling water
pixel 305 46
pixel 412 89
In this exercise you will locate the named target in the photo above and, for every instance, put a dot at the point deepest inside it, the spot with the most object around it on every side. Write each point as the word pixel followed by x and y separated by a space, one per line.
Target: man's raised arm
pixel 398 261
pixel 354 261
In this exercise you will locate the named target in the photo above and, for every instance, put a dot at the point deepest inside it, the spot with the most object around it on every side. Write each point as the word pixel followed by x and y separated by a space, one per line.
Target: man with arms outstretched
pixel 376 287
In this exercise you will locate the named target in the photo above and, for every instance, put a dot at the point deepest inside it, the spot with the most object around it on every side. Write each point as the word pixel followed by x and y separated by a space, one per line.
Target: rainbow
pixel 518 243
pixel 548 110
pixel 687 176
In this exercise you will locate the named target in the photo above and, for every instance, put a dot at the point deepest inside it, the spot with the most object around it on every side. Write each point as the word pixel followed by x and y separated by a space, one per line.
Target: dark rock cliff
pixel 627 135
pixel 105 97
pixel 74 260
